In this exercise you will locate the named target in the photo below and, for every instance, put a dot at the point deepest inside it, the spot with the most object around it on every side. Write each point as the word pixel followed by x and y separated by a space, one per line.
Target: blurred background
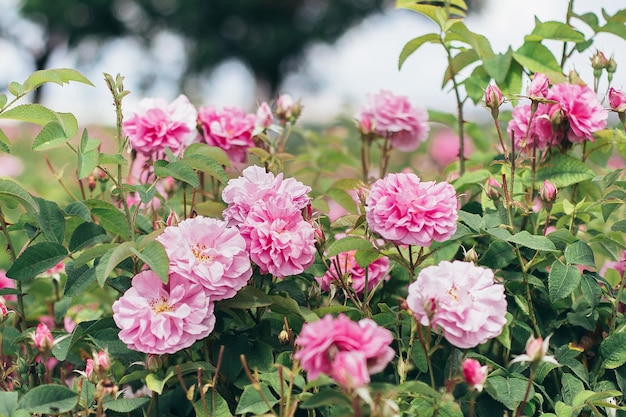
pixel 329 53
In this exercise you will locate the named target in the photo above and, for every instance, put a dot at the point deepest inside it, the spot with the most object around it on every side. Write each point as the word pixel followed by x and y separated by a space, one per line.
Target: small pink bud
pixel 287 110
pixel 4 312
pixel 475 375
pixel 538 88
pixel 43 338
pixel 493 189
pixel 89 369
pixel 264 116
pixel 172 219
pixel 493 97
pixel 101 362
pixel 617 100
pixel 535 349
pixel 365 125
pixel 548 192
pixel 599 61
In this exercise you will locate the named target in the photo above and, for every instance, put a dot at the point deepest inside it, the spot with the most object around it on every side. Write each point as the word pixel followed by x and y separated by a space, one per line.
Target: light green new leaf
pixel 414 44
pixel 252 401
pixel 68 74
pixel 178 170
pixel 88 155
pixel 579 253
pixel 562 280
pixel 31 113
pixel 49 399
pixel 50 136
pixel 458 62
pixel 10 190
pixel 348 243
pixel 155 257
pixel 537 58
pixel 213 152
pixel 5 143
pixel 36 259
pixel 615 28
pixel 540 243
pixel 556 31
pixel 498 66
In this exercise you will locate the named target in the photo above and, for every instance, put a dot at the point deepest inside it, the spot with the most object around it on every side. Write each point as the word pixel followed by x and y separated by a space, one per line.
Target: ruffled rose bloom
pixel 393 116
pixel 257 185
pixel 540 134
pixel 163 318
pixel 580 105
pixel 444 147
pixel 347 351
pixel 404 210
pixel 617 100
pixel 355 274
pixel 461 300
pixel 279 240
pixel 231 129
pixel 264 116
pixel 157 125
pixel 474 374
pixel 208 252
pixel 538 88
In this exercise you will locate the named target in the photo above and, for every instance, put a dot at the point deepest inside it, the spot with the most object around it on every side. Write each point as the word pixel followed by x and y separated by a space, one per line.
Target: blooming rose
pixel 347 351
pixel 474 374
pixel 163 318
pixel 394 117
pixel 617 100
pixel 208 252
pixel 257 185
pixel 279 240
pixel 156 125
pixel 460 299
pixel 580 105
pixel 444 147
pixel 355 273
pixel 263 116
pixel 231 129
pixel 540 133
pixel 404 210
pixel 538 88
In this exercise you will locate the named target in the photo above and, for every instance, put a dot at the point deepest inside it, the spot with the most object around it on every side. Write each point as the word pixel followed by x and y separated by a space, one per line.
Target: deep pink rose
pixel 538 88
pixel 279 240
pixel 617 100
pixel 256 185
pixel 345 267
pixel 210 253
pixel 580 105
pixel 347 351
pixel 474 374
pixel 156 125
pixel 231 129
pixel 540 135
pixel 163 318
pixel 393 116
pixel 6 282
pixel 404 210
pixel 460 299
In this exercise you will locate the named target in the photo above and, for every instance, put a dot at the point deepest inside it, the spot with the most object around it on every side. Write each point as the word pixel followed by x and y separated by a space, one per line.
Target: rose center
pixel 198 252
pixel 160 305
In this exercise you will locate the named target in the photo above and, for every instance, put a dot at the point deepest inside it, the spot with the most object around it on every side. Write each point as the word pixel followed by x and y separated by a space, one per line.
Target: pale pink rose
pixel 345 266
pixel 617 100
pixel 10 166
pixel 580 105
pixel 474 374
pixel 210 253
pixel 157 125
pixel 42 337
pixel 444 147
pixel 460 299
pixel 264 116
pixel 394 117
pixel 101 362
pixel 88 369
pixel 404 210
pixel 279 240
pixel 536 351
pixel 231 130
pixel 324 344
pixel 8 283
pixel 256 185
pixel 538 88
pixel 163 318
pixel 540 135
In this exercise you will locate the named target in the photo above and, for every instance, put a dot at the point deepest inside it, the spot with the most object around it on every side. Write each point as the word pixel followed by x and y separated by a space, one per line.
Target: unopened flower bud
pixel 365 125
pixel 538 88
pixel 154 362
pixel 474 374
pixel 494 189
pixel 617 100
pixel 493 98
pixel 91 182
pixel 283 337
pixel 172 219
pixel 287 110
pixel 611 66
pixel 548 192
pixel 471 256
pixel 43 338
pixel 4 312
pixel 599 61
pixel 264 116
pixel 101 362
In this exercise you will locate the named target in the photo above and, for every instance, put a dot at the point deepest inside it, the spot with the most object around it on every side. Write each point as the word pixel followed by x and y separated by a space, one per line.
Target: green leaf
pixel 613 350
pixel 563 171
pixel 36 259
pixel 125 405
pixel 213 152
pixel 508 391
pixel 93 253
pixel 68 74
pixel 50 136
pixel 12 191
pixel 5 143
pixel 247 298
pixel 414 44
pixel 615 28
pixel 216 406
pixel 579 253
pixel 78 209
pixel 178 170
pixel 348 243
pixel 476 84
pixel 51 220
pixel 498 65
pixel 110 217
pixel 556 31
pixel 8 403
pixel 570 386
pixel 471 178
pixel 537 58
pixel 155 257
pixel 16 88
pixel 344 199
pixel 78 279
pixel 87 234
pixel 88 155
pixel 155 383
pixel 458 62
pixel 562 280
pixel 619 226
pixel 327 398
pixel 365 257
pixel 208 165
pixel 49 399
pixel 252 401
pixel 535 242
pixel 32 113
pixel 287 306
pixel 115 159
pixel 112 258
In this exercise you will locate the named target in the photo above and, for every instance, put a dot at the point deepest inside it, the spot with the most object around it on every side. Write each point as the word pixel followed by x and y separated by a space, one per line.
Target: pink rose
pixel 404 210
pixel 394 117
pixel 580 105
pixel 548 192
pixel 347 351
pixel 617 100
pixel 8 283
pixel 264 116
pixel 157 125
pixel 210 253
pixel 540 133
pixel 163 318
pixel 460 299
pixel 474 374
pixel 538 88
pixel 43 338
pixel 493 97
pixel 444 147
pixel 346 268
pixel 230 129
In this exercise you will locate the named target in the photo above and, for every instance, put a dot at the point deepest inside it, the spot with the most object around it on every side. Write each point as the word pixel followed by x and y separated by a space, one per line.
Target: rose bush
pixel 236 263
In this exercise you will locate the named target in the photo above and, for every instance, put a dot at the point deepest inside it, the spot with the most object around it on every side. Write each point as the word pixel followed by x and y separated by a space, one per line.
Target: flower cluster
pixel 268 211
pixel 392 116
pixel 404 210
pixel 560 115
pixel 347 351
pixel 460 299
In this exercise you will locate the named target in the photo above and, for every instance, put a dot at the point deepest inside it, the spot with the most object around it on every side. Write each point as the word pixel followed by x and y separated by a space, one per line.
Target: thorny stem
pixel 459 107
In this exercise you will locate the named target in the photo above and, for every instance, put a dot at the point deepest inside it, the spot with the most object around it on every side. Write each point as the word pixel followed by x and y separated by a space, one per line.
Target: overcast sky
pixel 364 60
